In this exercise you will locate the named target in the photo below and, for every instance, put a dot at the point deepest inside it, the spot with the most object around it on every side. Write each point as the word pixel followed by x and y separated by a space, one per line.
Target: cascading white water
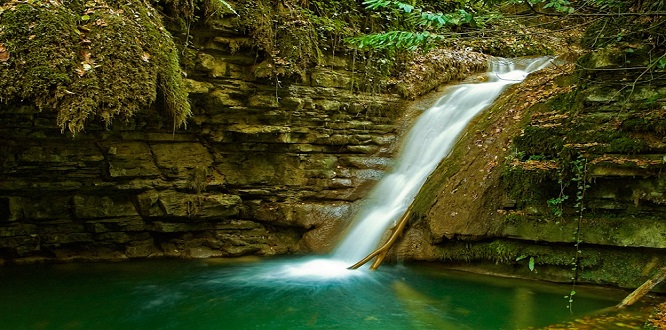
pixel 429 140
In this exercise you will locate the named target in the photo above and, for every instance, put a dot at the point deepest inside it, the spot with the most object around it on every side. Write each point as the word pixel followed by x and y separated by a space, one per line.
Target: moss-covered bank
pixel 570 174
pixel 89 60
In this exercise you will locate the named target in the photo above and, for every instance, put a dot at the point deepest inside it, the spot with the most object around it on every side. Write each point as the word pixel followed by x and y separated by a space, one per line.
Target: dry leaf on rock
pixel 4 54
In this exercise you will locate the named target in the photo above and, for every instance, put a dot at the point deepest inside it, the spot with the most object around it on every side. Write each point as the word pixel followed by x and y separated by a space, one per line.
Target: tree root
pixel 381 252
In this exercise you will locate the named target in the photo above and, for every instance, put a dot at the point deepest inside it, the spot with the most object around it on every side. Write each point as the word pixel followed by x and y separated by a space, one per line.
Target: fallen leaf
pixel 4 54
pixel 145 57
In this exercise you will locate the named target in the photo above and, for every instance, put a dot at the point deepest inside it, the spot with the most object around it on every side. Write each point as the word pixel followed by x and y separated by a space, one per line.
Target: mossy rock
pixel 87 60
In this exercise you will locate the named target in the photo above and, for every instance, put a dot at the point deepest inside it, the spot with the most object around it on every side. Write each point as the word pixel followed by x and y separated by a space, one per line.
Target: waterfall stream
pixel 430 140
pixel 427 143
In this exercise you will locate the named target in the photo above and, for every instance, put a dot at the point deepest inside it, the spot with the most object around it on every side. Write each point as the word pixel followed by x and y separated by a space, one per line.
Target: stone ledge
pixel 198 207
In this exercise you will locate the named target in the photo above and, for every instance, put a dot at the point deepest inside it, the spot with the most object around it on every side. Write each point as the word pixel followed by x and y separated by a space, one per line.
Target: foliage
pixel 92 59
pixel 417 23
pixel 186 13
pixel 562 6
pixel 416 27
pixel 555 204
pixel 614 28
pixel 394 40
pixel 291 37
pixel 530 264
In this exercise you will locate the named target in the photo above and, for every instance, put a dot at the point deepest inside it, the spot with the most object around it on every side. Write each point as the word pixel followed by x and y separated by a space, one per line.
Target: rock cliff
pixel 265 166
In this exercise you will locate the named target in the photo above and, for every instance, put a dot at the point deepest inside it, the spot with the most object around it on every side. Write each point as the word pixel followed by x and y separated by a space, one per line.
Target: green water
pixel 179 294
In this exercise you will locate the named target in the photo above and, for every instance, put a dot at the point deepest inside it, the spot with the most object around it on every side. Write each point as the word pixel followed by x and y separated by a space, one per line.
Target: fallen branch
pixel 643 289
pixel 381 252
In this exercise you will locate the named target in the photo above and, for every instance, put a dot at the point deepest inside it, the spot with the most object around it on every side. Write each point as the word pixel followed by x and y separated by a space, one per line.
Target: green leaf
pixel 531 264
pixel 407 8
pixel 85 17
pixel 661 64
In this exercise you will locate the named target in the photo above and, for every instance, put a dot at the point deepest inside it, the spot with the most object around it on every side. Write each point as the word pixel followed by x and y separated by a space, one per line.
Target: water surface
pixel 275 294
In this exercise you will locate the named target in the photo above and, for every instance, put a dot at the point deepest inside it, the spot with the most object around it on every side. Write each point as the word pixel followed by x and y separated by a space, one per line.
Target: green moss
pixel 510 252
pixel 514 218
pixel 537 140
pixel 285 33
pixel 650 121
pixel 627 145
pixel 89 60
pixel 529 186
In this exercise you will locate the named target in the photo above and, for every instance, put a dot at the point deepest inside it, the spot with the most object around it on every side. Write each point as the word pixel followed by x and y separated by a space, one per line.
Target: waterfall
pixel 427 143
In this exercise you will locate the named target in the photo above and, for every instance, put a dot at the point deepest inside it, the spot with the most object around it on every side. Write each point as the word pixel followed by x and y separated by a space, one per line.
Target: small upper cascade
pixel 428 142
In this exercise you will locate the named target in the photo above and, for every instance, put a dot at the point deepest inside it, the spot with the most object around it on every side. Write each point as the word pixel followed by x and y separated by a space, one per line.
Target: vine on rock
pixel 580 178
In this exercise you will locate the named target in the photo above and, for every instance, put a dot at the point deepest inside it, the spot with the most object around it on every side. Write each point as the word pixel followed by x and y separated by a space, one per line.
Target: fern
pixel 394 40
pixel 438 20
pixel 419 19
pixel 379 4
pixel 424 25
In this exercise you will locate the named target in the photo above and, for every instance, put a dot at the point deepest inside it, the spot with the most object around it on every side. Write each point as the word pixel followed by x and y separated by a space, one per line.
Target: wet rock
pixel 87 207
pixel 130 160
pixel 330 78
pixel 183 205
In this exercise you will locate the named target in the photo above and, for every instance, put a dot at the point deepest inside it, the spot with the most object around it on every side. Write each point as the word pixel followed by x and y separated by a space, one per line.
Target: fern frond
pixel 376 4
pixel 394 40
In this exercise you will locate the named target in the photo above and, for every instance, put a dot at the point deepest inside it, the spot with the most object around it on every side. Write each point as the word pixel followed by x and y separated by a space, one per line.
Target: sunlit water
pixel 195 294
pixel 429 140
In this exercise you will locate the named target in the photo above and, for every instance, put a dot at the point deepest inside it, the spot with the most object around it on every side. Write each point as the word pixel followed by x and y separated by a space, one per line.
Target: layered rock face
pixel 562 178
pixel 264 167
